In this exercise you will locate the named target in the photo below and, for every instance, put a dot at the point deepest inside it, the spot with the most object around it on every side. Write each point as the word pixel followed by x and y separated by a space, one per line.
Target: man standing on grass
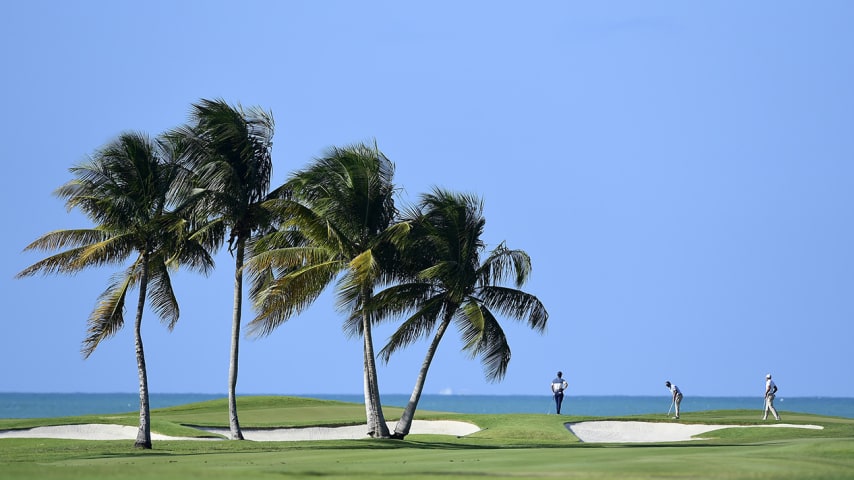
pixel 770 391
pixel 558 386
pixel 677 396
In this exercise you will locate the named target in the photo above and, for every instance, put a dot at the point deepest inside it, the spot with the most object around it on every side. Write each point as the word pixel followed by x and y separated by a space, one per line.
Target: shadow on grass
pixel 435 445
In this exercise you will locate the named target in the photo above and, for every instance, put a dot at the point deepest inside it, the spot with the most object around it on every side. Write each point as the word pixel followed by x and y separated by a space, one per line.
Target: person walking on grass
pixel 558 386
pixel 677 396
pixel 770 392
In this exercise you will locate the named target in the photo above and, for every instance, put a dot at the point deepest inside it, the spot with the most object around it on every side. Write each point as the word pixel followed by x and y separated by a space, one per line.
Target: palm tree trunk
pixel 377 426
pixel 234 423
pixel 405 423
pixel 143 435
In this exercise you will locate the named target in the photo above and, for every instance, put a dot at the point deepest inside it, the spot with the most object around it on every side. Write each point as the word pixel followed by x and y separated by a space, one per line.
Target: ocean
pixel 48 405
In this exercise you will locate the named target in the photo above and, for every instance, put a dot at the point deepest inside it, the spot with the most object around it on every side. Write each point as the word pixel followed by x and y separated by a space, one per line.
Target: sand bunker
pixel 643 432
pixel 84 432
pixel 588 432
pixel 353 432
pixel 121 432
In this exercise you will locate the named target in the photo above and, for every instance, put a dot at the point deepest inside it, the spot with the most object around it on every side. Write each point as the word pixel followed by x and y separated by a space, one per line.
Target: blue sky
pixel 681 173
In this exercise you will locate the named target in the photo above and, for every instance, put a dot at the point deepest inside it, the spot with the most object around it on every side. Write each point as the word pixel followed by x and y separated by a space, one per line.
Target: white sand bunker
pixel 652 432
pixel 123 432
pixel 353 432
pixel 91 431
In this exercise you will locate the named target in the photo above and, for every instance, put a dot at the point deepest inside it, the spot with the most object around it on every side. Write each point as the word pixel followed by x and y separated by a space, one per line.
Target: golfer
pixel 558 386
pixel 770 391
pixel 677 396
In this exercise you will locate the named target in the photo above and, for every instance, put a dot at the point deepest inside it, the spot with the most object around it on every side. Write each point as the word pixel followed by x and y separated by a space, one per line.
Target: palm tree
pixel 229 153
pixel 337 223
pixel 125 189
pixel 443 280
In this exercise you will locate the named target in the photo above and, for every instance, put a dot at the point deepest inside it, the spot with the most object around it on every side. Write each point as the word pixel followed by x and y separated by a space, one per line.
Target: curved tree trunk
pixel 233 422
pixel 143 435
pixel 377 426
pixel 405 423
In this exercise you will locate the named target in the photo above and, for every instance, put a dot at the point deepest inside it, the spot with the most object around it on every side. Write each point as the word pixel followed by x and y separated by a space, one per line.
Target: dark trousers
pixel 558 401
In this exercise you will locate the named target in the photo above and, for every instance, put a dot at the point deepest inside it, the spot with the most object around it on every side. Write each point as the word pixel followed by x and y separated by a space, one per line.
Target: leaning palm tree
pixel 337 222
pixel 228 149
pixel 444 281
pixel 125 189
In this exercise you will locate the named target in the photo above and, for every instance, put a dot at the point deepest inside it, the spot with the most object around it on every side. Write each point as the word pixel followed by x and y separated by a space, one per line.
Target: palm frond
pixel 395 233
pixel 503 262
pixel 284 240
pixel 352 297
pixel 314 227
pixel 516 304
pixel 105 250
pixel 493 349
pixel 361 270
pixel 68 238
pixel 278 299
pixel 111 250
pixel 398 299
pixel 64 262
pixel 484 338
pixel 469 320
pixel 161 295
pixel 417 326
pixel 108 316
pixel 194 256
pixel 209 234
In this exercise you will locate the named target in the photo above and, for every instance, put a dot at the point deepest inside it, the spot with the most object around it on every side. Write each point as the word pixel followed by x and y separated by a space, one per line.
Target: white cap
pixel 768 376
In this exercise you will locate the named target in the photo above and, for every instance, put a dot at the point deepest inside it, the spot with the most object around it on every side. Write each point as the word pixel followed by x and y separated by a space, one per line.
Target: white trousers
pixel 769 406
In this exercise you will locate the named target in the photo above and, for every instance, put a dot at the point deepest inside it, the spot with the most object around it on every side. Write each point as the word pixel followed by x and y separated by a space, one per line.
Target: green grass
pixel 508 446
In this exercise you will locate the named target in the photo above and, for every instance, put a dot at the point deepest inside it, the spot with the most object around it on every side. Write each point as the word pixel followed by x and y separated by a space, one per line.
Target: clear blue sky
pixel 681 173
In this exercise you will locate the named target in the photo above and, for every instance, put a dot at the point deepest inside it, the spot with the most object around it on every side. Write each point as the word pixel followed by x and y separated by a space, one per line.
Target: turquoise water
pixel 45 405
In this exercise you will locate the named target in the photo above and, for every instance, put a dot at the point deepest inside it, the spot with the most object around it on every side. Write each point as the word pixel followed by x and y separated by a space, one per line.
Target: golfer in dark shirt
pixel 558 386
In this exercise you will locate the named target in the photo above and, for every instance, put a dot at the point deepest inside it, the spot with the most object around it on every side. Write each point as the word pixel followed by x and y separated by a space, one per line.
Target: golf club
pixel 671 408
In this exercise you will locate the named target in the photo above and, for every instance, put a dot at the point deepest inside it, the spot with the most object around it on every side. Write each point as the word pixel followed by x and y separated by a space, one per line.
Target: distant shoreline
pixel 360 394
